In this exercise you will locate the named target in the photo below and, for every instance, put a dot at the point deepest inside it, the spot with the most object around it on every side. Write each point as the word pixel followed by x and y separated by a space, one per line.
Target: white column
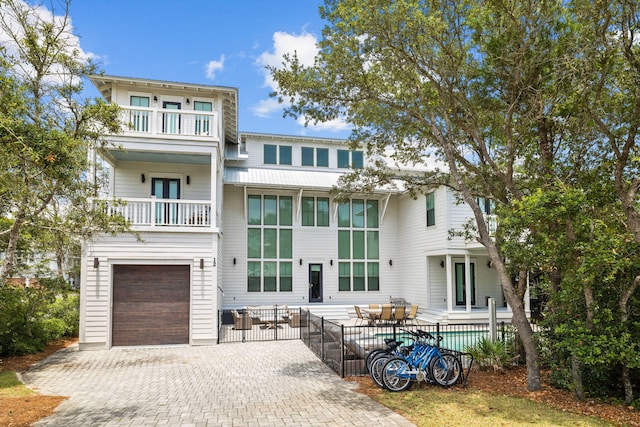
pixel 450 284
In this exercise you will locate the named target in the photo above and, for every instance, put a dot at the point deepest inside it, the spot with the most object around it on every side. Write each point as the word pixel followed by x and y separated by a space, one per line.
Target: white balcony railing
pixel 158 121
pixel 164 212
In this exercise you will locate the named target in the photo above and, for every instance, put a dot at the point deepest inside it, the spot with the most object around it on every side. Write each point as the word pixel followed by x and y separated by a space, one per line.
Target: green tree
pixel 48 131
pixel 476 84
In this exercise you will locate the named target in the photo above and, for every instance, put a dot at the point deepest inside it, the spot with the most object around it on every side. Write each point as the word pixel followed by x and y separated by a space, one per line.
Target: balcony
pixel 162 122
pixel 164 213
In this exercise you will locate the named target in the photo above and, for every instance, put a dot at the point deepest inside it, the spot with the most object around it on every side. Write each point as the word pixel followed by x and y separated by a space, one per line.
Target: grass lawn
pixel 434 407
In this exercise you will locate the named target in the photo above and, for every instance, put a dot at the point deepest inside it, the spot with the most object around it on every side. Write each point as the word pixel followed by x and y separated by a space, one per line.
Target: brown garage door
pixel 150 304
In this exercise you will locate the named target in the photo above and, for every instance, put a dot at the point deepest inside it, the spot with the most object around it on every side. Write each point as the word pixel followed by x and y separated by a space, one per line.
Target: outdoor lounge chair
pixel 360 318
pixel 411 317
pixel 241 321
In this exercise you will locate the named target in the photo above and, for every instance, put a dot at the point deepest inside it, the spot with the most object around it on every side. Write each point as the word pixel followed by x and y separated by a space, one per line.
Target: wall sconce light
pixel 188 101
pixel 331 262
pixel 214 261
pixel 442 264
pixel 188 180
pixel 142 178
pixel 234 261
pixel 300 261
pixel 201 263
pixel 96 262
pixel 155 98
pixel 489 264
pixel 390 262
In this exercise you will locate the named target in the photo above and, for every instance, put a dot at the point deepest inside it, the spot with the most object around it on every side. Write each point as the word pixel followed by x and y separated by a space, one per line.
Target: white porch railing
pixel 164 212
pixel 158 121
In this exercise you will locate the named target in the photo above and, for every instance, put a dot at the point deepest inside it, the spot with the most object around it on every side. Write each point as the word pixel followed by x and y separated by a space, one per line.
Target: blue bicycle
pixel 426 362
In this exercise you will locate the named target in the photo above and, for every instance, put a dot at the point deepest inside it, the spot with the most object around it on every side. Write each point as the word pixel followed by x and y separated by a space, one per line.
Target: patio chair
pixel 360 318
pixel 399 314
pixel 411 317
pixel 241 321
pixel 374 306
pixel 387 313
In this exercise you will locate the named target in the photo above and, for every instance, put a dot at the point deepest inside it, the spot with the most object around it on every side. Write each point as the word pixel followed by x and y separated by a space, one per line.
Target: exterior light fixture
pixel 155 98
pixel 142 178
pixel 442 264
pixel 201 263
pixel 96 262
pixel 390 262
pixel 188 101
pixel 300 261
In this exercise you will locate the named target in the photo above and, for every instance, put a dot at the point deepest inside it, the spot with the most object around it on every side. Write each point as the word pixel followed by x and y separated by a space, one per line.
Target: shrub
pixel 491 354
pixel 32 317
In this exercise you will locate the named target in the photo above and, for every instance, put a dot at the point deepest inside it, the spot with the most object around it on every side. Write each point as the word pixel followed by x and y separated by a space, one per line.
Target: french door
pixel 315 282
pixel 461 285
pixel 166 188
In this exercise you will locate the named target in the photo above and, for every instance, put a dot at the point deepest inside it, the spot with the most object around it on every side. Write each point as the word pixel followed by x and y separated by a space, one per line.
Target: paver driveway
pixel 252 384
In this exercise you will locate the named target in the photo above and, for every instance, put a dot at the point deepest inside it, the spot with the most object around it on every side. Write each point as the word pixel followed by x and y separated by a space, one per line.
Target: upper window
pixel 487 206
pixel 350 159
pixel 315 157
pixel 139 119
pixel 277 154
pixel 203 122
pixel 431 209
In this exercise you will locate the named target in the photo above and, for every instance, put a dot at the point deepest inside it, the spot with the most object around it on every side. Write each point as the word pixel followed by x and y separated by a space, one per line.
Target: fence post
pixel 322 338
pixel 395 338
pixel 275 322
pixel 342 350
pixel 492 319
pixel 437 330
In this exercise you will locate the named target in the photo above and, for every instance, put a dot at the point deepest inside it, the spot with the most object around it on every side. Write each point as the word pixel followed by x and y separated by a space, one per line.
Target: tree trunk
pixel 523 327
pixel 576 375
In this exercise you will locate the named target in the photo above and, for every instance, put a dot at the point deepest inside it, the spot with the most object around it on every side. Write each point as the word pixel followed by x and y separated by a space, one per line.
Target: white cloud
pixel 214 66
pixel 265 107
pixel 305 47
pixel 10 31
pixel 335 125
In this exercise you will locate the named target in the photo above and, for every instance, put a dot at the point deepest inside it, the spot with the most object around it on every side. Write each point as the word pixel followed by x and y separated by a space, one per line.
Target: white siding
pixel 312 245
pixel 128 180
pixel 156 248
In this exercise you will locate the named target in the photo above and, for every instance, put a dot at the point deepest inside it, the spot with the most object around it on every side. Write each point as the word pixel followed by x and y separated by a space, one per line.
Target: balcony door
pixel 166 188
pixel 171 120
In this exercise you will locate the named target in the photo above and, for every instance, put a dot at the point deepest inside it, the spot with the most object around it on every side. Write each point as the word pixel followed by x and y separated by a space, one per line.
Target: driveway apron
pixel 278 383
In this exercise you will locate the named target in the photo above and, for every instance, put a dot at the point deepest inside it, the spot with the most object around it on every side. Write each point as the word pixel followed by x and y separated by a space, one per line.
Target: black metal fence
pixel 344 348
pixel 263 323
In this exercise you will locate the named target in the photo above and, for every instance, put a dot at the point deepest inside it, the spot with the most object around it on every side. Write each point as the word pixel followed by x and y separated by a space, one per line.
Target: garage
pixel 150 305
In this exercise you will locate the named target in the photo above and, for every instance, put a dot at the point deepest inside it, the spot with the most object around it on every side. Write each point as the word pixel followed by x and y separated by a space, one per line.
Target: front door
pixel 315 282
pixel 166 188
pixel 170 120
pixel 461 288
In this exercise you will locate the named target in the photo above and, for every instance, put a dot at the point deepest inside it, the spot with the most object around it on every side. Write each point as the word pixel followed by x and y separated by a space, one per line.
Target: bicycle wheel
pixel 446 369
pixel 376 369
pixel 396 375
pixel 372 355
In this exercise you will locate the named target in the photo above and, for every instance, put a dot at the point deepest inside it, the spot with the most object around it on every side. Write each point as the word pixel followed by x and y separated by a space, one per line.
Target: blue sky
pixel 215 42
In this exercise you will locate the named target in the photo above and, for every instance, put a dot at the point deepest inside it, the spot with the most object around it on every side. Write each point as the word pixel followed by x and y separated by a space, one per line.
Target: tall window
pixel 315 211
pixel 269 243
pixel 308 158
pixel 139 119
pixel 358 246
pixel 461 286
pixel 431 209
pixel 350 159
pixel 203 122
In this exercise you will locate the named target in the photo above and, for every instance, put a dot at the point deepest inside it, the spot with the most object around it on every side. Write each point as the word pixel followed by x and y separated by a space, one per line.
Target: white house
pixel 228 220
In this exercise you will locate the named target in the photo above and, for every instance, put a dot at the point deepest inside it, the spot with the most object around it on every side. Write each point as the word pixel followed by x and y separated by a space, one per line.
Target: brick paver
pixel 251 384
